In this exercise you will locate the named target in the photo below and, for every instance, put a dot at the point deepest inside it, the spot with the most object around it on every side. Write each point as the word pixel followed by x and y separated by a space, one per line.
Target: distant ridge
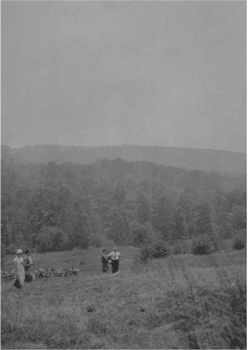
pixel 186 158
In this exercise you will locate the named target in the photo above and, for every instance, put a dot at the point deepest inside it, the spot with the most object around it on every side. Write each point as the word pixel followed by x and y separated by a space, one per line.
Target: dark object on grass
pixel 17 284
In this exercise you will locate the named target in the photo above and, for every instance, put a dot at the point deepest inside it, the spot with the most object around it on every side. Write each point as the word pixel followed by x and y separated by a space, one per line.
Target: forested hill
pixel 200 159
pixel 60 206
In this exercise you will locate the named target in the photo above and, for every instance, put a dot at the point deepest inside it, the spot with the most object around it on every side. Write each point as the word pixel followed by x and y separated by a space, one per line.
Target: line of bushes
pixel 200 245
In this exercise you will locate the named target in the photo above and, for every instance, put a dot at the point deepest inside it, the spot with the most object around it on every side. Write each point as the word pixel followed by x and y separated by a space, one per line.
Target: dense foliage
pixel 61 206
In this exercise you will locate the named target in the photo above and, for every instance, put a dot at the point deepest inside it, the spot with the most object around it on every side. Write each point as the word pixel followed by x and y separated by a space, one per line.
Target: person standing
pixel 19 271
pixel 28 264
pixel 115 257
pixel 105 262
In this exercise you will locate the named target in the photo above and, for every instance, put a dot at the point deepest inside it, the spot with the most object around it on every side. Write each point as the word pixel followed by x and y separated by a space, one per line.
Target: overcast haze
pixel 148 73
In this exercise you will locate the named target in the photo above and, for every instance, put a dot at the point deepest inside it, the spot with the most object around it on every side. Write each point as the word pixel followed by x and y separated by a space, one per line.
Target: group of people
pixel 23 270
pixel 24 273
pixel 112 258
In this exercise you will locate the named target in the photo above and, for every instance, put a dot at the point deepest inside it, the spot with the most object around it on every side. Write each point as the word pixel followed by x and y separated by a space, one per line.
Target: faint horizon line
pixel 121 145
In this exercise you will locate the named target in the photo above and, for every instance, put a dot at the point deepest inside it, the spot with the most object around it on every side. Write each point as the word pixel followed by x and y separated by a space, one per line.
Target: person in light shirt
pixel 115 257
pixel 19 270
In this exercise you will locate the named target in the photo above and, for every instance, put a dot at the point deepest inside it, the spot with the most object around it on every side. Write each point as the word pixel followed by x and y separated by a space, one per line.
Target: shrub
pixel 160 249
pixel 239 241
pixel 153 250
pixel 11 249
pixel 202 245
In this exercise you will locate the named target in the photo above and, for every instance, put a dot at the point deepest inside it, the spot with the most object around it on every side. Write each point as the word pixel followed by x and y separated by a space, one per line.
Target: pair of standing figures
pixel 23 269
pixel 112 258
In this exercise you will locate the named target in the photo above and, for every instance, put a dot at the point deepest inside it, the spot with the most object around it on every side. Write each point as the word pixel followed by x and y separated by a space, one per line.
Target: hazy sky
pixel 149 73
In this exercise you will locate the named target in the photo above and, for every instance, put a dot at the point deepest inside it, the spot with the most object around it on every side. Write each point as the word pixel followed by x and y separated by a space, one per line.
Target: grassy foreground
pixel 173 303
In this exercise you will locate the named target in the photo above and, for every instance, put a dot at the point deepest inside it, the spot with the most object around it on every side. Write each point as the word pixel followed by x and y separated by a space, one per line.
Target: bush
pixel 239 241
pixel 11 249
pixel 160 249
pixel 202 245
pixel 151 251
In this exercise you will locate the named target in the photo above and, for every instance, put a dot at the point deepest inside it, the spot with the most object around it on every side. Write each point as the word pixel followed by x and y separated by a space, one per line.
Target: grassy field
pixel 178 302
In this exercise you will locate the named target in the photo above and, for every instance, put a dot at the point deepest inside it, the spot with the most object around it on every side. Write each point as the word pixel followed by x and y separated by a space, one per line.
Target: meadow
pixel 178 302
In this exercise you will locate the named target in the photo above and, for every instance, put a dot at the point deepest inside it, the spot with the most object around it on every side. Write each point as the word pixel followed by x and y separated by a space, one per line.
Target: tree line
pixel 201 159
pixel 61 206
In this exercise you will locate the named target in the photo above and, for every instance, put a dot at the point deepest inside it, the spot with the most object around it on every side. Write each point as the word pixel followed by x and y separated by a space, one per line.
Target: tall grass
pixel 176 302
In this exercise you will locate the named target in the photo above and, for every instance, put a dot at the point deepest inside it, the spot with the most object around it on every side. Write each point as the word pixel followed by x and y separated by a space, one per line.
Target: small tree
pixel 160 249
pixel 202 245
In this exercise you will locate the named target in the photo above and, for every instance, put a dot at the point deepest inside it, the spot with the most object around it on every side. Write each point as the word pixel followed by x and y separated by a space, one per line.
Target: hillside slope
pixel 127 201
pixel 200 159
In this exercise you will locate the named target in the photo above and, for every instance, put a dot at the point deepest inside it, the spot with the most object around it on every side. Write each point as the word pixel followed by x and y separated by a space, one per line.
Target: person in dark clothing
pixel 105 261
pixel 28 264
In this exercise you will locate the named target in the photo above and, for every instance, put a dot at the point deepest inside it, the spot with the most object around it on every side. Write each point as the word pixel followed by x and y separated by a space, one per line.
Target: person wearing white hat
pixel 19 270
